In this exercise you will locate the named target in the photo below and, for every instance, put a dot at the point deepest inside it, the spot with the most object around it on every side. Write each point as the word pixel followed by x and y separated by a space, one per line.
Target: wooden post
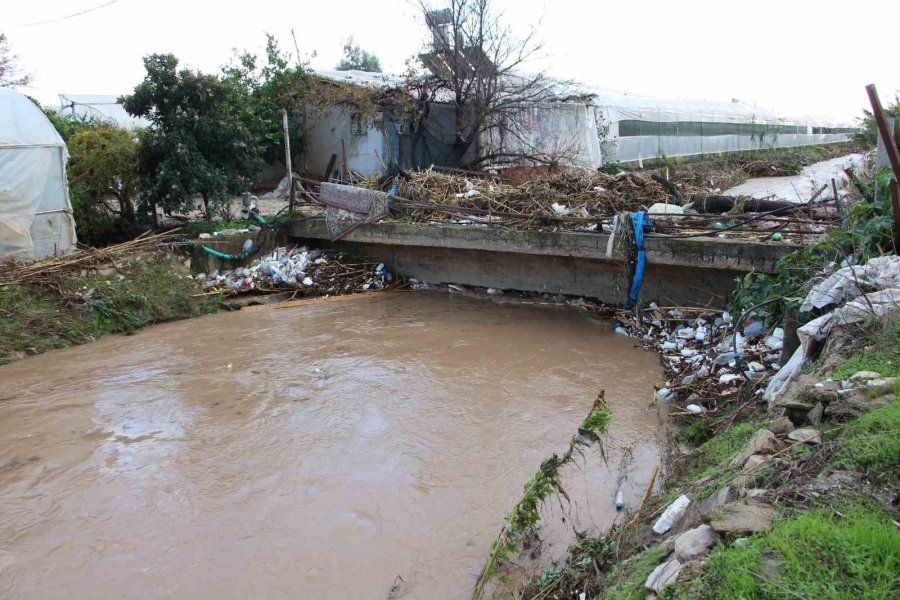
pixel 287 158
pixel 838 203
pixel 893 153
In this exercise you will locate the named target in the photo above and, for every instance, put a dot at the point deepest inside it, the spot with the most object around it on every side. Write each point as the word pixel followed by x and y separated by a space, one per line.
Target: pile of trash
pixel 706 354
pixel 572 194
pixel 309 272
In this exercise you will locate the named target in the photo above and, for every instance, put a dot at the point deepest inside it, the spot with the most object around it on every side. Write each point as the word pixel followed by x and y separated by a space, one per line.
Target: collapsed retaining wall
pixel 680 271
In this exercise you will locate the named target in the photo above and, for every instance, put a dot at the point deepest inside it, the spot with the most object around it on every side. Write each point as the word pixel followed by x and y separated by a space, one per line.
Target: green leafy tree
pixel 201 136
pixel 67 125
pixel 869 134
pixel 357 59
pixel 11 74
pixel 268 87
pixel 103 173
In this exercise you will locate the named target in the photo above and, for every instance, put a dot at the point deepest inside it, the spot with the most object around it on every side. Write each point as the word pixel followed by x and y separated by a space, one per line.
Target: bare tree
pixel 475 65
pixel 11 74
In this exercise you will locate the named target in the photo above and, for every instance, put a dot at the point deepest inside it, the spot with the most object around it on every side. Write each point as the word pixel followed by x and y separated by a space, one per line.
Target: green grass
pixel 883 353
pixel 815 555
pixel 872 442
pixel 716 453
pixel 154 289
pixel 626 580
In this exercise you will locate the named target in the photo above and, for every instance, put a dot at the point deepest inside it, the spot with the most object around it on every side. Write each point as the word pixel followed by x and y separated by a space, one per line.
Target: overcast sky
pixel 796 57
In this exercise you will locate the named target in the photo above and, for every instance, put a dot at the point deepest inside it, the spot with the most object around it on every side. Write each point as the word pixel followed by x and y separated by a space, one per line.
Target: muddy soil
pixel 317 451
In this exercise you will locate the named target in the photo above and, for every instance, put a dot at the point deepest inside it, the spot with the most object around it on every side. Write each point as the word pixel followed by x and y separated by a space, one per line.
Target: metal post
pixel 893 155
pixel 287 157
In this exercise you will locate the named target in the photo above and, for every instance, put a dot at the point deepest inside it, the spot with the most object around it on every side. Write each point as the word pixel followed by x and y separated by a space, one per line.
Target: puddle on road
pixel 311 452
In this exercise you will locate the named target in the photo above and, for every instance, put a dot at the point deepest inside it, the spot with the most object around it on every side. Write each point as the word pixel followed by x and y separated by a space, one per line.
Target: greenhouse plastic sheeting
pixel 35 214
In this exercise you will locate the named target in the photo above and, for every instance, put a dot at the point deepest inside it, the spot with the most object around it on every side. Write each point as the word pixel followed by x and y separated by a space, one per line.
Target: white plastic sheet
pixel 35 214
pixel 845 285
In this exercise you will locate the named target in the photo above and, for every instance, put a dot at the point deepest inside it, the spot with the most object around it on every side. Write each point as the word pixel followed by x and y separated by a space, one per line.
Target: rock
pixel 855 404
pixel 836 481
pixel 744 516
pixel 755 493
pixel 671 514
pixel 750 471
pixel 713 502
pixel 815 415
pixel 821 392
pixel 763 442
pixel 806 435
pixel 31 351
pixel 794 403
pixel 741 542
pixel 781 426
pixel 694 543
pixel 884 385
pixel 864 375
pixel 663 575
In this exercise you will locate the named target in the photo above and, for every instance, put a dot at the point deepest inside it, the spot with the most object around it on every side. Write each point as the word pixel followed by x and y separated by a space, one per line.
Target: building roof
pixel 99 106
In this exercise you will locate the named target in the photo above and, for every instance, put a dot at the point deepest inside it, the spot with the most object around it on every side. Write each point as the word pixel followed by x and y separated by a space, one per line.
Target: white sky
pixel 795 57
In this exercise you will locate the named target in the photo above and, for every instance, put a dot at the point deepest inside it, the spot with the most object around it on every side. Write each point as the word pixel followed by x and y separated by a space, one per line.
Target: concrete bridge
pixel 686 271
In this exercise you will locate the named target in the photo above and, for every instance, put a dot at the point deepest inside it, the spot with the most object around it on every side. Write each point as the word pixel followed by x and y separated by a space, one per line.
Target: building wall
pixel 362 145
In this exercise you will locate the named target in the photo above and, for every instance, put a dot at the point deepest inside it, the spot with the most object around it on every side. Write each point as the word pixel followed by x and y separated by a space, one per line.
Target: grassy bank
pixel 835 533
pixel 140 290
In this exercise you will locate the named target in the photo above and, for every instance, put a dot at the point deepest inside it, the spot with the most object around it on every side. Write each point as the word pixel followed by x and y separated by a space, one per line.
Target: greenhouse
pixel 635 128
pixel 35 214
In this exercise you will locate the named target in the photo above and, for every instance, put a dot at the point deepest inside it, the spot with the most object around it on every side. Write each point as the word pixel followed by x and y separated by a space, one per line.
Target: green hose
pixel 222 255
pixel 213 252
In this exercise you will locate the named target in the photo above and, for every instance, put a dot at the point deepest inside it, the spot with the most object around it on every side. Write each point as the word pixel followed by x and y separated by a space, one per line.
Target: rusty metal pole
pixel 893 153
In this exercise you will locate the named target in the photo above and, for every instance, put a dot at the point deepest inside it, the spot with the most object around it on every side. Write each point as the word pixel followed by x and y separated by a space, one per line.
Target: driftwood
pixel 719 204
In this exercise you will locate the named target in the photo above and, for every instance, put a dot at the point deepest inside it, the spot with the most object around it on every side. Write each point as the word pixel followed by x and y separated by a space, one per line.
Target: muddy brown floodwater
pixel 319 451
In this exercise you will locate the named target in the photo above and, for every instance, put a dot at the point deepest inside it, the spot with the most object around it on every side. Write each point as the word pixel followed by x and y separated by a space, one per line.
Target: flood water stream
pixel 318 451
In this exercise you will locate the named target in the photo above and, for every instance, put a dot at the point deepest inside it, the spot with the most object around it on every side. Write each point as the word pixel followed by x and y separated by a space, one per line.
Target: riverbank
pixel 124 292
pixel 83 296
pixel 783 474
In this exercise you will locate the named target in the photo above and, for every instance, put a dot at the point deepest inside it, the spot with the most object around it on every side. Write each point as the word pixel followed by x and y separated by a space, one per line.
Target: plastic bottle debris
pixel 728 378
pixel 695 408
pixel 754 330
pixel 620 501
pixel 663 394
pixel 726 358
pixel 671 514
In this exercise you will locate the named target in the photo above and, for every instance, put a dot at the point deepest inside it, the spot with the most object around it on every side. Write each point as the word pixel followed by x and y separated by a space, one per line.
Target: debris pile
pixel 80 261
pixel 308 272
pixel 568 196
pixel 707 356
